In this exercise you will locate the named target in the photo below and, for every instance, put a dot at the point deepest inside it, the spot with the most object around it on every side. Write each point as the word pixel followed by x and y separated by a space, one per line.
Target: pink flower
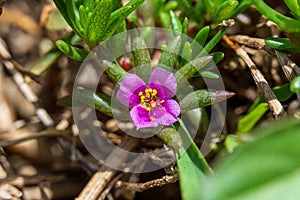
pixel 151 104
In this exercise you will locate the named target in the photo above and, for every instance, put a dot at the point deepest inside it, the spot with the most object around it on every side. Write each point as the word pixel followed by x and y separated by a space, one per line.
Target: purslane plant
pixel 151 104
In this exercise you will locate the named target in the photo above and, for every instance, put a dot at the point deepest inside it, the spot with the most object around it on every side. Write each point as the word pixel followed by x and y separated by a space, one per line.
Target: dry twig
pixel 150 184
pixel 24 88
pixel 271 99
pixel 104 175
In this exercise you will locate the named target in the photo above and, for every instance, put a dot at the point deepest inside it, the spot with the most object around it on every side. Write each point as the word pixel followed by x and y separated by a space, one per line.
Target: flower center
pixel 150 99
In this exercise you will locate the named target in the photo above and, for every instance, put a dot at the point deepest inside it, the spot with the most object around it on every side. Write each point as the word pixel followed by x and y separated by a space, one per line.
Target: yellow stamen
pixel 152 118
pixel 140 93
pixel 154 92
pixel 153 104
pixel 162 101
pixel 148 108
pixel 147 95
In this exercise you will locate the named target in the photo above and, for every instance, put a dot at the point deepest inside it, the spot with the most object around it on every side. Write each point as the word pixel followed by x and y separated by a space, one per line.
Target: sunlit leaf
pixel 267 168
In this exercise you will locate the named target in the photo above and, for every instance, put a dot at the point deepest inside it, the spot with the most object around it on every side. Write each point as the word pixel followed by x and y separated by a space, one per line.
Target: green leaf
pixel 208 74
pixel 115 71
pixel 185 26
pixel 99 101
pixel 141 55
pixel 46 61
pixel 51 56
pixel 200 40
pixel 188 70
pixel 187 52
pixel 175 23
pixel 83 16
pixel 62 7
pixel 294 6
pixel 116 4
pixel 283 93
pixel 218 56
pixel 171 5
pixel 90 4
pixel 285 23
pixel 283 44
pixel 190 176
pixel 213 42
pixel 75 23
pixel 225 10
pixel 189 10
pixel 98 22
pixel 202 98
pixel 295 85
pixel 247 122
pixel 169 55
pixel 71 51
pixel 267 168
pixel 190 162
pixel 118 17
pixel 243 5
pixel 231 143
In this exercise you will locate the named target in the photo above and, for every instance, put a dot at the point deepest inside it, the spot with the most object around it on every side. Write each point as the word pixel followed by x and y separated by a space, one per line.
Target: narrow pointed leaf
pixel 285 23
pixel 98 22
pixel 200 39
pixel 247 122
pixel 209 74
pixel 99 101
pixel 62 7
pixel 213 42
pixel 116 72
pixel 224 10
pixel 294 6
pixel 283 44
pixel 202 98
pixel 189 10
pixel 83 16
pixel 187 52
pixel 190 176
pixel 185 26
pixel 46 61
pixel 71 51
pixel 141 55
pixel 90 4
pixel 73 18
pixel 175 23
pixel 188 70
pixel 119 15
pixel 191 164
pixel 168 58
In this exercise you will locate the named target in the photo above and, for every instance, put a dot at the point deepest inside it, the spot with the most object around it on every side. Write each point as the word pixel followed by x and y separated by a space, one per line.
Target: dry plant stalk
pixel 261 82
pixel 104 175
pixel 24 88
pixel 288 66
pixel 139 187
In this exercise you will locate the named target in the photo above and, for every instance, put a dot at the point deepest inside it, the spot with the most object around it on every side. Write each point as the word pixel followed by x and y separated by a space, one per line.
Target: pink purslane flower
pixel 151 104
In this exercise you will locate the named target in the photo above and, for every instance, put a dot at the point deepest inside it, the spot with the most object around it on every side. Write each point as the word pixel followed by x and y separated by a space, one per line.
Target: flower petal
pixel 161 91
pixel 166 79
pixel 140 117
pixel 172 107
pixel 129 88
pixel 172 111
